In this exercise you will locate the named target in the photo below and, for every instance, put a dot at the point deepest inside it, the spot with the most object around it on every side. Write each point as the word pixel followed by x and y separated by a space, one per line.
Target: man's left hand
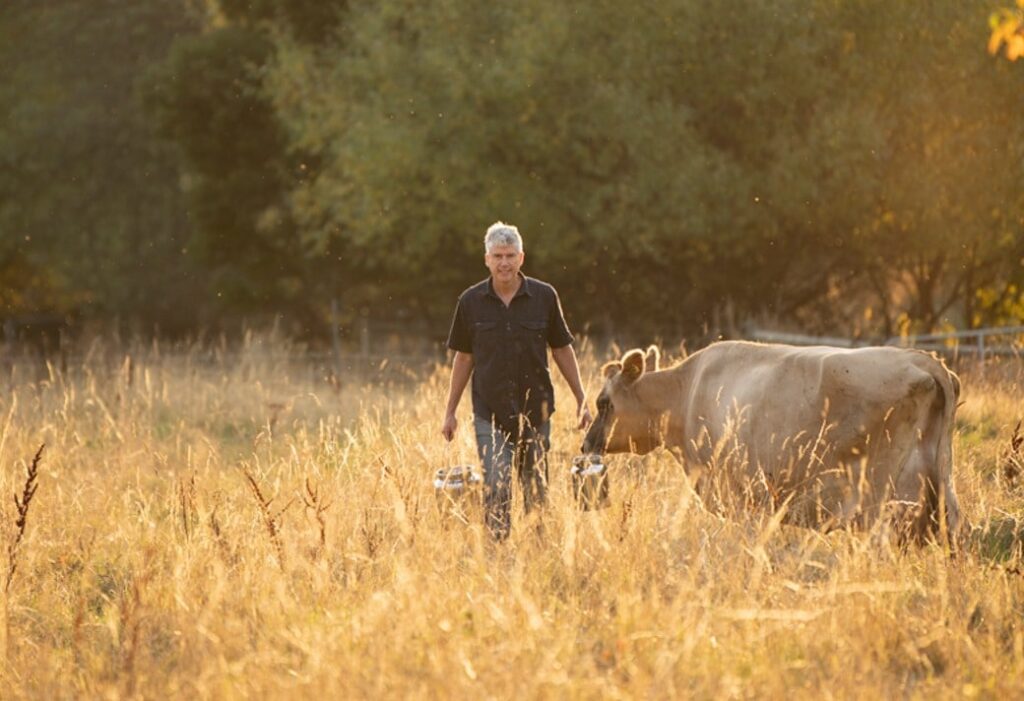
pixel 583 412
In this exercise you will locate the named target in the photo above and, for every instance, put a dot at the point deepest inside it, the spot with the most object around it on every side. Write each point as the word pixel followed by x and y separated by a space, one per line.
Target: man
pixel 501 331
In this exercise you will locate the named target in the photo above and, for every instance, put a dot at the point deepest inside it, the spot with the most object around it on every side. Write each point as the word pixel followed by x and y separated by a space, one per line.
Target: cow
pixel 836 437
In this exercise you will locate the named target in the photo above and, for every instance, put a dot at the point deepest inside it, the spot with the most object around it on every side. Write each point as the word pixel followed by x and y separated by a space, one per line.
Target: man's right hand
pixel 448 428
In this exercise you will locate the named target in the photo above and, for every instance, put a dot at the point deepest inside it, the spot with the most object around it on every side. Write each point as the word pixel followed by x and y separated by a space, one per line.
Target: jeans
pixel 499 452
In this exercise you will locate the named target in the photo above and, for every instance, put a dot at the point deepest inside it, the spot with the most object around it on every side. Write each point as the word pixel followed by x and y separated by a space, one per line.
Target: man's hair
pixel 501 234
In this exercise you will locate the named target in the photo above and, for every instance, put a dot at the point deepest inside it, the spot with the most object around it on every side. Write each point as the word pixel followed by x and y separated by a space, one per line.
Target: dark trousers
pixel 499 453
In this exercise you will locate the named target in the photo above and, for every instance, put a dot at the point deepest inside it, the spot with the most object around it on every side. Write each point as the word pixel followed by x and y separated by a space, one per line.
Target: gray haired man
pixel 500 333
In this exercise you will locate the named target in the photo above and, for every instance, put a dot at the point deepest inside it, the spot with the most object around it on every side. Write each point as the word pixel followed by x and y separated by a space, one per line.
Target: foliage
pixel 839 166
pixel 799 159
pixel 90 214
pixel 312 21
pixel 1007 25
pixel 943 223
pixel 206 98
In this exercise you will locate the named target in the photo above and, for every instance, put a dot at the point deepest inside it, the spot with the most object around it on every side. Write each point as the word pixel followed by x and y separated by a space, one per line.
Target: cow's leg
pixel 843 495
pixel 955 527
pixel 937 514
pixel 923 491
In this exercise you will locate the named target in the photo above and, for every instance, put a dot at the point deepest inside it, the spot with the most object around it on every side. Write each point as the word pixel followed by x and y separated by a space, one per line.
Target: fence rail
pixel 1012 341
pixel 981 343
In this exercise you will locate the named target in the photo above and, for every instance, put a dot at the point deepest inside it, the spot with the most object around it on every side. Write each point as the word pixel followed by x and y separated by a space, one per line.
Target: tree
pixel 208 98
pixel 805 160
pixel 830 165
pixel 943 223
pixel 639 160
pixel 90 216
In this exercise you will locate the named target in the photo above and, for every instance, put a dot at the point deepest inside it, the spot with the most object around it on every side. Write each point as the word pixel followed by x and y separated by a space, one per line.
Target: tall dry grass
pixel 211 524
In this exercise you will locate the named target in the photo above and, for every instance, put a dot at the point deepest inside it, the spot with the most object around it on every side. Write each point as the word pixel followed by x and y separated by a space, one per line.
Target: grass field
pixel 150 567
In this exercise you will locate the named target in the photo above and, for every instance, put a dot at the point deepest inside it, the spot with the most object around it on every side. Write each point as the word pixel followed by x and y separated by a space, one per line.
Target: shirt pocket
pixel 536 332
pixel 485 335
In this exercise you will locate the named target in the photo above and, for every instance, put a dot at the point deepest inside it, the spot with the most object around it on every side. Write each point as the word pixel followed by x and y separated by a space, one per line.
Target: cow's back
pixel 805 421
pixel 788 389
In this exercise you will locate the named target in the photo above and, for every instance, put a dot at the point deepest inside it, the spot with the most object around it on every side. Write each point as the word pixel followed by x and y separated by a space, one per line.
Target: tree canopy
pixel 850 167
pixel 91 215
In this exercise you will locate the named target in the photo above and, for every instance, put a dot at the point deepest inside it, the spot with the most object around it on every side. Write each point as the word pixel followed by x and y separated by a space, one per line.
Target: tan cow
pixel 839 436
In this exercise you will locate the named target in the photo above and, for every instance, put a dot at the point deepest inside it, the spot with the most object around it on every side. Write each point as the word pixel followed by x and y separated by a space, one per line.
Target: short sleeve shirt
pixel 509 347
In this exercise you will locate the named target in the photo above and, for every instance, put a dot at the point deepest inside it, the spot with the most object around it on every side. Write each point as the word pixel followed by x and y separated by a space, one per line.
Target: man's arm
pixel 462 368
pixel 565 359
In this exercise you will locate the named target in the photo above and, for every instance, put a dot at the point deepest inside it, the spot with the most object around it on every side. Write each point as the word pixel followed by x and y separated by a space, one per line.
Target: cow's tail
pixel 942 501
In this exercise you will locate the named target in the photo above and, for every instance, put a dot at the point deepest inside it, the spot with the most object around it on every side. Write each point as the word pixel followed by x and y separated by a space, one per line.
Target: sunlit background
pixel 678 168
pixel 237 229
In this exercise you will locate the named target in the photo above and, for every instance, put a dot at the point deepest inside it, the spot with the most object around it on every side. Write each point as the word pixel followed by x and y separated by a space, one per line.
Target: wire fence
pixel 979 344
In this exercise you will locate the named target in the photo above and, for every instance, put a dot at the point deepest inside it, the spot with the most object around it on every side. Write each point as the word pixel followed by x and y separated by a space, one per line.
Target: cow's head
pixel 624 423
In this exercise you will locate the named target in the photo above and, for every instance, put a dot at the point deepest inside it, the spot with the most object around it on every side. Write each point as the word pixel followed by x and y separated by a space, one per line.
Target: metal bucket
pixel 590 482
pixel 455 486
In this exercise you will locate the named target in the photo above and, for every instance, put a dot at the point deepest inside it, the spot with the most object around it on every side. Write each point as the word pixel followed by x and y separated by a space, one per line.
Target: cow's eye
pixel 603 405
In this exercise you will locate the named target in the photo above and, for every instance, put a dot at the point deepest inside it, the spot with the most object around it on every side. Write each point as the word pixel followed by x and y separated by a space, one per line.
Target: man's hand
pixel 462 368
pixel 448 428
pixel 583 412
pixel 565 359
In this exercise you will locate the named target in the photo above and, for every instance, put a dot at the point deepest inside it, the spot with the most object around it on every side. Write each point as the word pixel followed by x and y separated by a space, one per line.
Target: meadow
pixel 214 522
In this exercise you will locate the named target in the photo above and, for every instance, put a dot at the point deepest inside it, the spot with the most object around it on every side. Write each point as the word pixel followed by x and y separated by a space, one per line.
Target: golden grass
pixel 212 525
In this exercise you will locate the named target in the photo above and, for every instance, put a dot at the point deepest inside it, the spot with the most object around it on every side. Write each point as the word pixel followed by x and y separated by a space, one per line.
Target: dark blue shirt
pixel 509 347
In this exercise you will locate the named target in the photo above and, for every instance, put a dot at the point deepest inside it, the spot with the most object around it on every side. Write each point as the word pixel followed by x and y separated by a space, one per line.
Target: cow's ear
pixel 652 360
pixel 611 369
pixel 633 364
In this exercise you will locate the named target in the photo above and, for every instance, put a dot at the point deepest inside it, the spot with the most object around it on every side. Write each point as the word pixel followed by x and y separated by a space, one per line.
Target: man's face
pixel 504 263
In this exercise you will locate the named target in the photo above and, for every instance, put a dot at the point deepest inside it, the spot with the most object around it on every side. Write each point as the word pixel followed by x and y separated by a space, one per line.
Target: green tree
pixel 945 220
pixel 802 159
pixel 207 98
pixel 636 163
pixel 90 214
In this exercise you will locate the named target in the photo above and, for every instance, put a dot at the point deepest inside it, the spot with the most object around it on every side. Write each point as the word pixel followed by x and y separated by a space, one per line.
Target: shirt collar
pixel 524 288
